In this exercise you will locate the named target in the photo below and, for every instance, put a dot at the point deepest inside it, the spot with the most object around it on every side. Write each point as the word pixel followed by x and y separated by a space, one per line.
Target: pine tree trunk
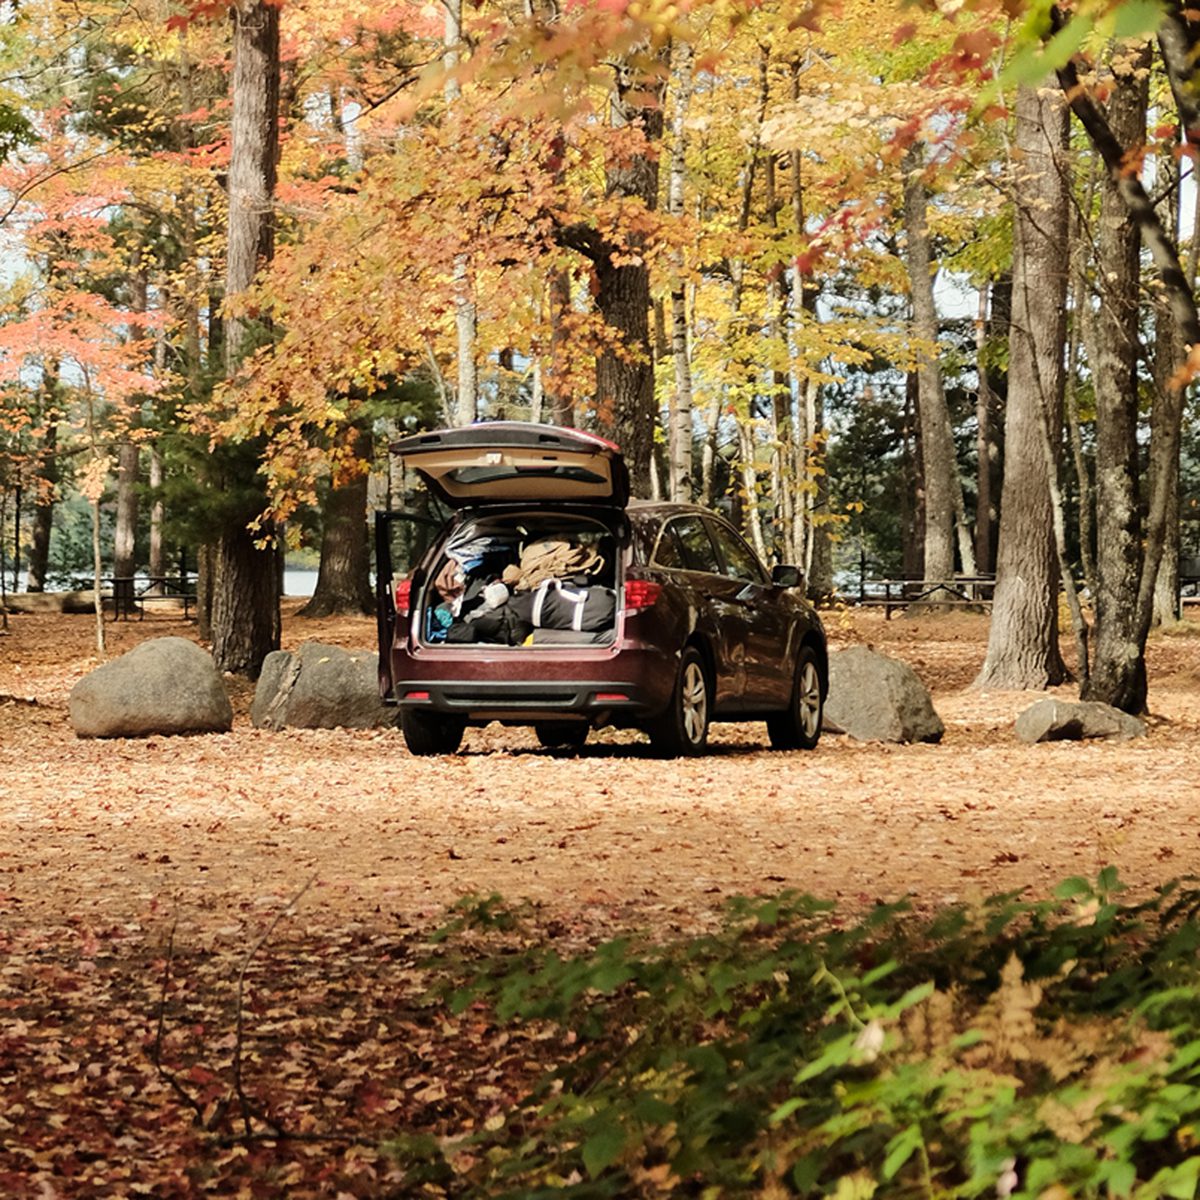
pixel 157 559
pixel 987 511
pixel 343 578
pixel 43 506
pixel 1118 674
pixel 125 532
pixel 625 379
pixel 937 439
pixel 1023 650
pixel 205 580
pixel 245 603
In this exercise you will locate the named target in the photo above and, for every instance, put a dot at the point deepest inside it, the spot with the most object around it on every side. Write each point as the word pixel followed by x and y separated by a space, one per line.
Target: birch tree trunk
pixel 466 403
pixel 1169 351
pixel 1023 649
pixel 681 409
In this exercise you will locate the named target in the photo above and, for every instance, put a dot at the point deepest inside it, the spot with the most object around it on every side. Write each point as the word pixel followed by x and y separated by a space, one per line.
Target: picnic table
pixel 132 593
pixel 898 594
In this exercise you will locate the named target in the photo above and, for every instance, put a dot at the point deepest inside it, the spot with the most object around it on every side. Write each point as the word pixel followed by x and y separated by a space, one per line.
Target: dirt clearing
pixel 207 827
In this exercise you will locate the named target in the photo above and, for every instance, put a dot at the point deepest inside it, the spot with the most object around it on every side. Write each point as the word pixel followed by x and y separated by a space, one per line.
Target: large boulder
pixel 1064 720
pixel 876 698
pixel 164 686
pixel 320 687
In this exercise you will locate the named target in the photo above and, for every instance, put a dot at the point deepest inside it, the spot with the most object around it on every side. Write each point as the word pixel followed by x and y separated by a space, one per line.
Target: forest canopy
pixel 877 281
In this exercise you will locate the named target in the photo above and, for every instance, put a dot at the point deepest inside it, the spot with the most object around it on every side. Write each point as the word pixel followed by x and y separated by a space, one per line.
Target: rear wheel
pixel 798 727
pixel 431 733
pixel 561 734
pixel 682 731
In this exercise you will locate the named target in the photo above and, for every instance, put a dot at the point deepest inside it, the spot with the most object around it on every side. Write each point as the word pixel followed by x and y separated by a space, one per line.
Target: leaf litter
pixel 139 880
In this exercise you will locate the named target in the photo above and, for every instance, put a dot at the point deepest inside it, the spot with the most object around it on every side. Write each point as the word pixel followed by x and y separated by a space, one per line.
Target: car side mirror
pixel 785 576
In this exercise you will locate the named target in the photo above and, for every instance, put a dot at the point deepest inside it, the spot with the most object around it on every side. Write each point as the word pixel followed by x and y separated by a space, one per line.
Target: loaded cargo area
pixel 524 580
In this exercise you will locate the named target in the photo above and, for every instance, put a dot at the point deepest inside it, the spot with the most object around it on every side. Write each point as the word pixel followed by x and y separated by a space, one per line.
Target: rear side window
pixel 698 551
pixel 740 562
pixel 668 553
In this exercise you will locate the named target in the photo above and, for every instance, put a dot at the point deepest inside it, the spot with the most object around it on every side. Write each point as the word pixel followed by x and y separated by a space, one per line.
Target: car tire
pixel 682 731
pixel 431 733
pixel 560 735
pixel 798 727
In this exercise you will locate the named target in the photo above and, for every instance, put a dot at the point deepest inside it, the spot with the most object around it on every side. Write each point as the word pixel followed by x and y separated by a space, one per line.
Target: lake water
pixel 296 582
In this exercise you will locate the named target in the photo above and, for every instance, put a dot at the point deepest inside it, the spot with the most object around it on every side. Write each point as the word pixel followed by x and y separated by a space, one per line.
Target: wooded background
pixel 904 290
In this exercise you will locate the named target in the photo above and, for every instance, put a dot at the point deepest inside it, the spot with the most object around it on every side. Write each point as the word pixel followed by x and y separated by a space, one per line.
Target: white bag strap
pixel 539 598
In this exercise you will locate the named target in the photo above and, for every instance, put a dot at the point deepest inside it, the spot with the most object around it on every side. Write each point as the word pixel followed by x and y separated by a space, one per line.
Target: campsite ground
pixel 204 827
pixel 140 880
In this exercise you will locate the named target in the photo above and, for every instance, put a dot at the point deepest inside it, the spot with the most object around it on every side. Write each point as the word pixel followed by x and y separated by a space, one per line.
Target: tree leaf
pixel 603 1148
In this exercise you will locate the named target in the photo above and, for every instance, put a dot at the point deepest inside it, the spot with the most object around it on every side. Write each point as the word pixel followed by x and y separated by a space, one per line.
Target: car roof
pixel 667 508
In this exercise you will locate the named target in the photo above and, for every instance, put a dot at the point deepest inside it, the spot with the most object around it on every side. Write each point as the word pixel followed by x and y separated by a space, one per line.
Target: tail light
pixel 641 593
pixel 403 594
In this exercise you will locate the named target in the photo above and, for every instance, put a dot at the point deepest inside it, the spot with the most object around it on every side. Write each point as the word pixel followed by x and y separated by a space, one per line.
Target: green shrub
pixel 1012 1049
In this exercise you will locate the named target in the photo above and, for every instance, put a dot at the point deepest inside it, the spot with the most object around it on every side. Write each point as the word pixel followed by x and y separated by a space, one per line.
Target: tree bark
pixel 681 409
pixel 125 532
pixel 343 578
pixel 1169 351
pixel 245 602
pixel 1178 39
pixel 987 511
pixel 560 402
pixel 1118 674
pixel 943 488
pixel 466 397
pixel 156 556
pixel 625 370
pixel 42 523
pixel 245 595
pixel 254 142
pixel 1023 649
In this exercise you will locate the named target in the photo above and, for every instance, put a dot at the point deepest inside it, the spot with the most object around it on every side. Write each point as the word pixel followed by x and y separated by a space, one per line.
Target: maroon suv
pixel 550 599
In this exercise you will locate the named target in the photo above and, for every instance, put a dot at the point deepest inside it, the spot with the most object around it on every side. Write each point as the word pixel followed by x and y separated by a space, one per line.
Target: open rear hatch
pixel 523 578
pixel 506 462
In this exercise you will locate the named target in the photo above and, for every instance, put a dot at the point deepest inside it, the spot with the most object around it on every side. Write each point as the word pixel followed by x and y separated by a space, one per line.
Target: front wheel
pixel 682 731
pixel 798 727
pixel 431 733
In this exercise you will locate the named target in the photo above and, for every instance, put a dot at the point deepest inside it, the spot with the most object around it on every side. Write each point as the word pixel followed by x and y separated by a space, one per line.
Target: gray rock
pixel 320 687
pixel 876 698
pixel 164 686
pixel 1062 720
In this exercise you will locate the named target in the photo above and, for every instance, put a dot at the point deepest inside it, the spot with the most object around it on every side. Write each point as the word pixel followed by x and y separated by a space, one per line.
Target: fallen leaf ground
pixel 138 877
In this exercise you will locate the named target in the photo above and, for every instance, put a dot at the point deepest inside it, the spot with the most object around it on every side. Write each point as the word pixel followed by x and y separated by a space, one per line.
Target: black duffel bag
pixel 557 605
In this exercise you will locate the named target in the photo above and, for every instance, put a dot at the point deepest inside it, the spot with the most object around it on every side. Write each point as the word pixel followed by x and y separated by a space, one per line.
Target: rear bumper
pixel 622 686
pixel 514 700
